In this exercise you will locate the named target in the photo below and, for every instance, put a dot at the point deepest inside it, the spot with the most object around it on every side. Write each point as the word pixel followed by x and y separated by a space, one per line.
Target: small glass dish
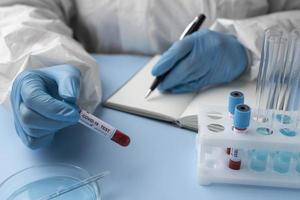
pixel 39 181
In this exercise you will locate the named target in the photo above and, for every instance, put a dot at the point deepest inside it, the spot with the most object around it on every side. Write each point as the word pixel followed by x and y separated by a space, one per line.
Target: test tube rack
pixel 216 135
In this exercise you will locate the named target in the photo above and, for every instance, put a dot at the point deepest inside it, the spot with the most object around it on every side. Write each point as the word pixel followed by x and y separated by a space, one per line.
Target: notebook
pixel 180 109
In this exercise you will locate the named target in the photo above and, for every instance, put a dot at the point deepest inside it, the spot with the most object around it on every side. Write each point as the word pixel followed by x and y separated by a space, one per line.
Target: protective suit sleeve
pixel 250 32
pixel 34 34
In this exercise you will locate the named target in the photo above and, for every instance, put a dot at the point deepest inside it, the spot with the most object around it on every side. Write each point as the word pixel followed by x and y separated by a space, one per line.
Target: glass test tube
pixel 287 108
pixel 277 81
pixel 294 101
pixel 267 71
pixel 278 93
pixel 270 90
pixel 296 89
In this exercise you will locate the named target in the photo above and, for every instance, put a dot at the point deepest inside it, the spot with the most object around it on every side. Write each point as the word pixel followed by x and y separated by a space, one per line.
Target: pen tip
pixel 148 94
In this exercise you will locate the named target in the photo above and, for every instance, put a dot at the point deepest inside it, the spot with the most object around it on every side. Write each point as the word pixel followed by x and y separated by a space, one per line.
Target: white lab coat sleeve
pixel 250 32
pixel 34 34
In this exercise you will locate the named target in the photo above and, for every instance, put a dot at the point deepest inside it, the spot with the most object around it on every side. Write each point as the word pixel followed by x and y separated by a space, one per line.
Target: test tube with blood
pixel 241 121
pixel 103 128
pixel 235 98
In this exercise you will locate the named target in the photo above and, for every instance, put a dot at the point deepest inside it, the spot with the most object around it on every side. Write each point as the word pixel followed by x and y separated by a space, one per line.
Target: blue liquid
pixel 287 132
pixel 285 119
pixel 298 163
pixel 264 131
pixel 282 162
pixel 259 160
pixel 40 188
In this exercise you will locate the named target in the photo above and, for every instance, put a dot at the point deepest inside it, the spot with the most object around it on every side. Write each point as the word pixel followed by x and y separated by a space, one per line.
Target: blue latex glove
pixel 44 101
pixel 202 59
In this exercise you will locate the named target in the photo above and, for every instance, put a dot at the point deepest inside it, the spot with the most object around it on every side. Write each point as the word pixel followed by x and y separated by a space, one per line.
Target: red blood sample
pixel 235 165
pixel 121 138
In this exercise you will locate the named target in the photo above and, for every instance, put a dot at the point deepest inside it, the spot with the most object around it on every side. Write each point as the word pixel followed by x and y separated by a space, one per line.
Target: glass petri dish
pixel 39 181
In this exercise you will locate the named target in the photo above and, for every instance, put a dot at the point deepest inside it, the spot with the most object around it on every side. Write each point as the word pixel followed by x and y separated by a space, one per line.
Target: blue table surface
pixel 160 163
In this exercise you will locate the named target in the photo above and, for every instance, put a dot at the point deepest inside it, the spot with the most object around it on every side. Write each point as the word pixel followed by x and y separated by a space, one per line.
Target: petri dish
pixel 39 181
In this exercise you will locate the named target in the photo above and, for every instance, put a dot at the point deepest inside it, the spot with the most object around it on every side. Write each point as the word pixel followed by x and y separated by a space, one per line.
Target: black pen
pixel 191 28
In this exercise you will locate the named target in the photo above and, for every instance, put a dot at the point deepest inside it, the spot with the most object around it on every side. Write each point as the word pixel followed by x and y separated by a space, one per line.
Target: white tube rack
pixel 212 142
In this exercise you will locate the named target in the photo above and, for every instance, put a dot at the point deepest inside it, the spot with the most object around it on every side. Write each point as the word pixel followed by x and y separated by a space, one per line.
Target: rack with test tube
pixel 257 146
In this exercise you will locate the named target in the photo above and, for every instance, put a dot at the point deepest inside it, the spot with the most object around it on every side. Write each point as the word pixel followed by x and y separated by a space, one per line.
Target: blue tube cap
pixel 235 98
pixel 241 118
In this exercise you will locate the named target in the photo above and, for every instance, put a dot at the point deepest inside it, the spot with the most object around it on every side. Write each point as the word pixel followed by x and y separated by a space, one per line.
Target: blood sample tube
pixel 235 160
pixel 105 129
pixel 241 121
pixel 235 98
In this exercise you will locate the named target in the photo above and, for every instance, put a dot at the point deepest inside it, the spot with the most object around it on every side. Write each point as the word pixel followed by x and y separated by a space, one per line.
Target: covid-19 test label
pixel 105 129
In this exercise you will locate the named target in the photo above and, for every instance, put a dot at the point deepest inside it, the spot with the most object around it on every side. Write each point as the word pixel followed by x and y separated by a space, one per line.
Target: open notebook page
pixel 130 98
pixel 218 96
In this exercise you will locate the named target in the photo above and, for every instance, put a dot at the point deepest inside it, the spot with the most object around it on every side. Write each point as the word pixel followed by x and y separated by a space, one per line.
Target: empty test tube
pixel 287 110
pixel 278 92
pixel 278 82
pixel 290 108
pixel 270 77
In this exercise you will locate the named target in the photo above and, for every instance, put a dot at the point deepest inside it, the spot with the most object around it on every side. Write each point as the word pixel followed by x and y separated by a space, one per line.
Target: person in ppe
pixel 47 72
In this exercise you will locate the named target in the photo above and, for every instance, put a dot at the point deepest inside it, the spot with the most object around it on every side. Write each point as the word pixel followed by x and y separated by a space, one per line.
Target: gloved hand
pixel 44 101
pixel 202 59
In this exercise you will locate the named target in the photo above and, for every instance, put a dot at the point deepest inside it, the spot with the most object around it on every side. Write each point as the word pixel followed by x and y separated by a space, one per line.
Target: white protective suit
pixel 40 33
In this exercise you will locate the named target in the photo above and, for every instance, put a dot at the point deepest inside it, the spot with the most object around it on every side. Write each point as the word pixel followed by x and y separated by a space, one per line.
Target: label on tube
pixel 234 155
pixel 96 124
